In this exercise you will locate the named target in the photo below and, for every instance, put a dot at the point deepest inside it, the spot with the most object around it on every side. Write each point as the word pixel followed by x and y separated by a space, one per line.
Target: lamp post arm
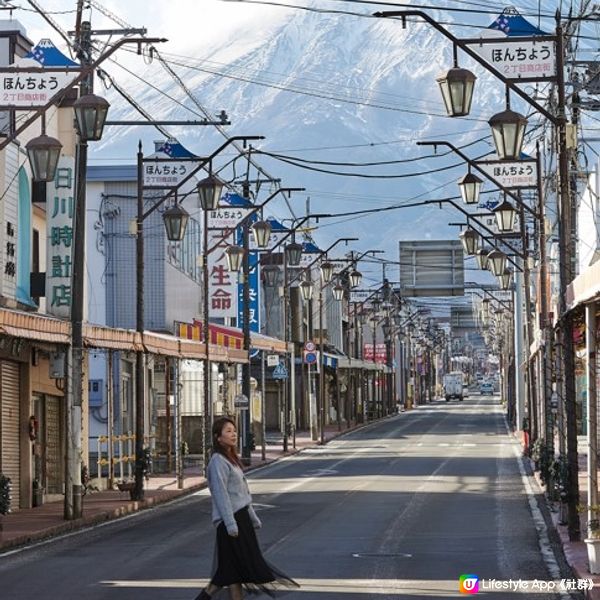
pixel 83 73
pixel 474 164
pixel 291 231
pixel 465 48
pixel 470 216
pixel 323 253
pixel 254 210
pixel 203 163
pixel 487 293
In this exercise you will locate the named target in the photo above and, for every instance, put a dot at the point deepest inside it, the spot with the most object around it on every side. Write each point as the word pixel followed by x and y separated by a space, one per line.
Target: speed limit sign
pixel 309 346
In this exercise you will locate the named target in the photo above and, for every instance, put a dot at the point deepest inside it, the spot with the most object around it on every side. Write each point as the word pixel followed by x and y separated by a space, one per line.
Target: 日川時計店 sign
pixel 523 59
pixel 29 88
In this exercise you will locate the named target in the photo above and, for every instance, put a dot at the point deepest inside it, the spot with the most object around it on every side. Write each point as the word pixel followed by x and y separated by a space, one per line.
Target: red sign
pixel 380 353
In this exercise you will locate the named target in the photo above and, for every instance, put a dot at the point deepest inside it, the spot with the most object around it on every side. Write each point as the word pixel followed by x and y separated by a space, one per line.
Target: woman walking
pixel 239 563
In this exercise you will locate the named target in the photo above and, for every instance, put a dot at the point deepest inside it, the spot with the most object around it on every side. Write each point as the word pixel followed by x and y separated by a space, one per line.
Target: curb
pixel 132 507
pixel 129 508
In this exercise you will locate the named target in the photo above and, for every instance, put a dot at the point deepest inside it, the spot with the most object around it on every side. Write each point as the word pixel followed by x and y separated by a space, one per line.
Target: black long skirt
pixel 240 560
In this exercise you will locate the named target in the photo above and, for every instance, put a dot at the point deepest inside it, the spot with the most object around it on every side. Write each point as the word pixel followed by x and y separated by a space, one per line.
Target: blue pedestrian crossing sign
pixel 280 372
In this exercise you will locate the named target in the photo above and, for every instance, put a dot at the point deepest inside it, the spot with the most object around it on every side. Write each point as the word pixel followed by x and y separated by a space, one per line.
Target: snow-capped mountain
pixel 335 88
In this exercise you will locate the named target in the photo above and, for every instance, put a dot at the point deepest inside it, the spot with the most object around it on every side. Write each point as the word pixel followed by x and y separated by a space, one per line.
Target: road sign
pixel 280 372
pixel 310 358
pixel 272 360
pixel 166 173
pixel 241 401
pixel 309 346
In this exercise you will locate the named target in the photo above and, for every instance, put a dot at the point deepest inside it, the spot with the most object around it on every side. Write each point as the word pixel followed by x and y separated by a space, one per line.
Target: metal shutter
pixel 9 427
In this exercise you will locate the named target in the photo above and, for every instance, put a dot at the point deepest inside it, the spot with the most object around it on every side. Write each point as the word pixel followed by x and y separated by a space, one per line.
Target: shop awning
pixel 126 340
pixel 258 341
pixel 345 362
pixel 584 287
pixel 330 360
pixel 33 326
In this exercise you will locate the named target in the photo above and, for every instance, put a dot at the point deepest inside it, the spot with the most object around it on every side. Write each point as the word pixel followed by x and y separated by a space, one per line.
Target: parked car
pixel 486 388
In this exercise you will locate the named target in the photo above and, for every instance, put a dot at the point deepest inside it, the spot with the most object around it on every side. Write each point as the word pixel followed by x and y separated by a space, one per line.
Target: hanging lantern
pixel 505 216
pixel 234 256
pixel 306 289
pixel 338 292
pixel 327 269
pixel 293 254
pixel 209 190
pixel 470 188
pixel 456 86
pixel 482 258
pixel 471 241
pixel 496 262
pixel 508 130
pixel 262 232
pixel 176 219
pixel 505 279
pixel 355 278
pixel 270 274
pixel 43 152
pixel 90 116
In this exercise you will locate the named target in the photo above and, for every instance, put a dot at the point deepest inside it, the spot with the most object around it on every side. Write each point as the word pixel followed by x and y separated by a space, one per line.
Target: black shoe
pixel 203 595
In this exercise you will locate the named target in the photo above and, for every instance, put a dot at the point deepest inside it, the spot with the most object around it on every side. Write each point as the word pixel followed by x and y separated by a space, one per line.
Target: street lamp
pixel 293 253
pixel 327 269
pixel 210 189
pixel 470 187
pixel 457 90
pixel 471 241
pixel 262 232
pixel 338 292
pixel 505 216
pixel 90 114
pixel 505 279
pixel 176 219
pixel 234 255
pixel 355 278
pixel 43 152
pixel 496 262
pixel 482 258
pixel 270 274
pixel 508 130
pixel 306 289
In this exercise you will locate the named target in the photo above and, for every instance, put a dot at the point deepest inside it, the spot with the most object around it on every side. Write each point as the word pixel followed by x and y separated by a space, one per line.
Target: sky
pixel 196 27
pixel 205 22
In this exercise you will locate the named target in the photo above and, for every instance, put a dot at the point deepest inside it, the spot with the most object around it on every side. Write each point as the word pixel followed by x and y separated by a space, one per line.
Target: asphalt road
pixel 399 509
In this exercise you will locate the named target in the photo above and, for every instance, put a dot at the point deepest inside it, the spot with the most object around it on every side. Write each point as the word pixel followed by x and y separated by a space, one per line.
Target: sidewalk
pixel 576 552
pixel 34 524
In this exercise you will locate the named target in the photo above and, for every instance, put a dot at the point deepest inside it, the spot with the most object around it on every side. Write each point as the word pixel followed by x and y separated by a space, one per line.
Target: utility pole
pixel 246 389
pixel 73 508
pixel 565 279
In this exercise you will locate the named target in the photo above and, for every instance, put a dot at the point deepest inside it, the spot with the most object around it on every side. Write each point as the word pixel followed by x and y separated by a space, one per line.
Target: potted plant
pixel 5 497
pixel 38 493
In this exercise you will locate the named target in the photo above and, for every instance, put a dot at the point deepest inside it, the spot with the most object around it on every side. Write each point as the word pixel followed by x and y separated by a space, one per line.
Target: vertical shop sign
pixel 59 220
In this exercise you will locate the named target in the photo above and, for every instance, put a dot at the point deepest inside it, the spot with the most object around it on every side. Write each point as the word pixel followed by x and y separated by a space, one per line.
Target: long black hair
pixel 229 453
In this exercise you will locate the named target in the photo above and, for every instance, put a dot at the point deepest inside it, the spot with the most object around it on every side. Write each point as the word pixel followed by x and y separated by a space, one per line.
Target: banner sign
pixel 360 295
pixel 511 174
pixel 222 284
pixel 32 88
pixel 166 173
pixel 254 289
pixel 227 217
pixel 59 227
pixel 522 59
